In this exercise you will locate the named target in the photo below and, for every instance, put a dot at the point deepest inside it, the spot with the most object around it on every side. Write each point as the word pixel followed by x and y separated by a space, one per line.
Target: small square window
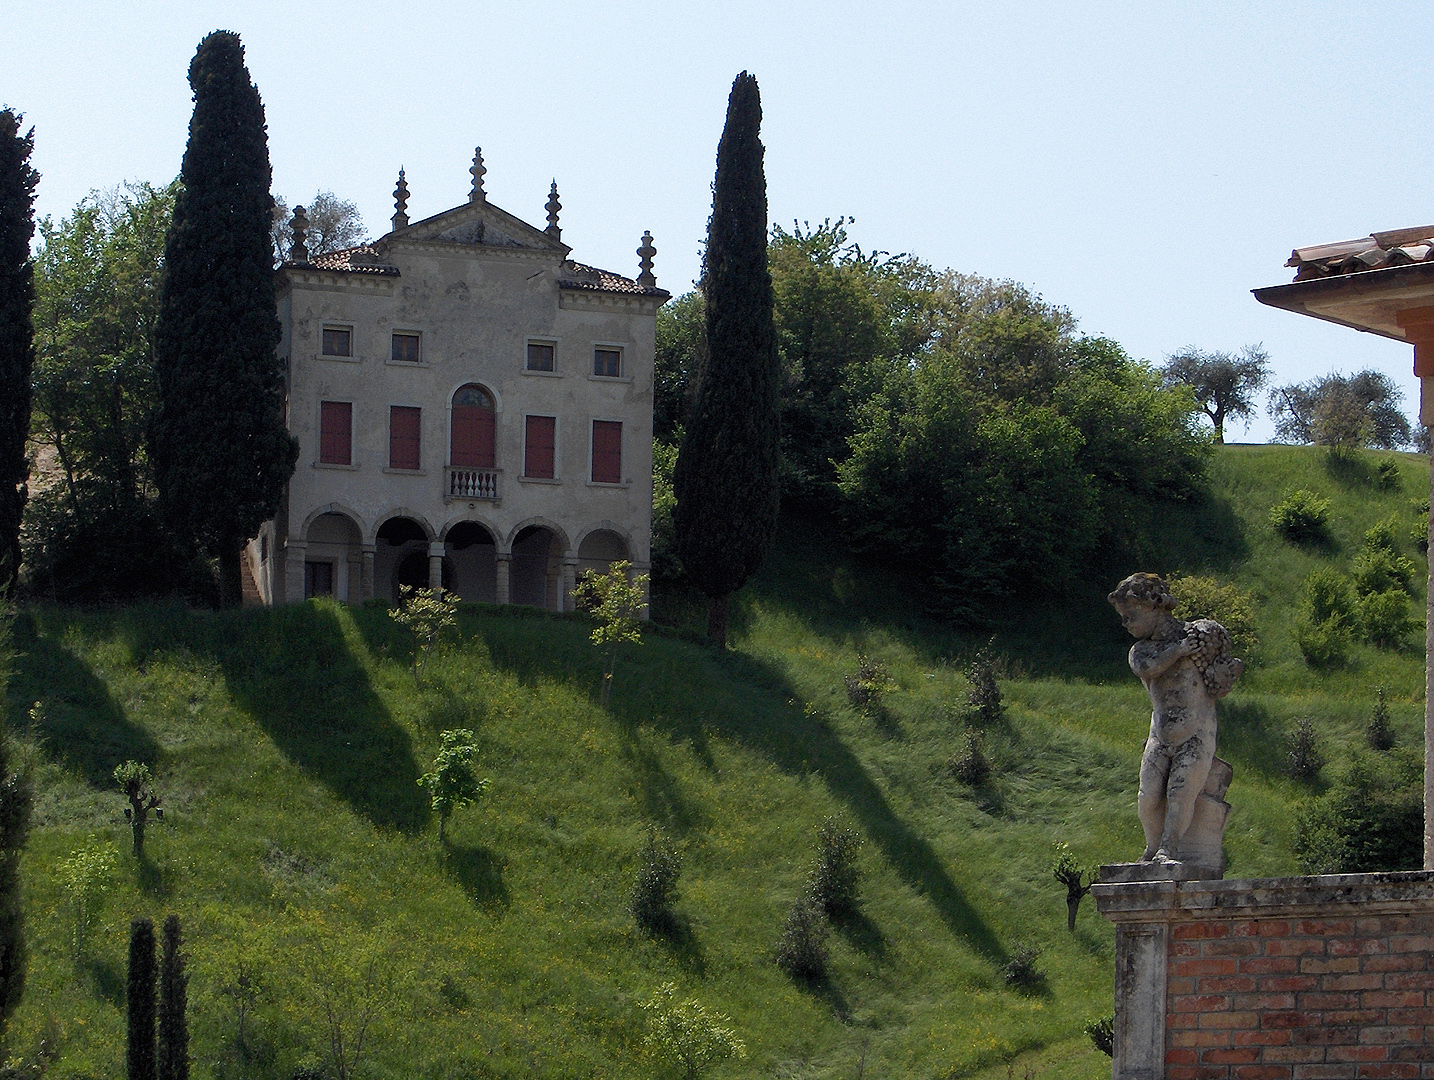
pixel 607 362
pixel 405 347
pixel 338 341
pixel 540 356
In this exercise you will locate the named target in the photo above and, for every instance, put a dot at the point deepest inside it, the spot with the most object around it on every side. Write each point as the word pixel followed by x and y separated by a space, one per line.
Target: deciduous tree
pixel 726 475
pixel 1341 412
pixel 334 224
pixel 1224 383
pixel 221 450
pixel 17 349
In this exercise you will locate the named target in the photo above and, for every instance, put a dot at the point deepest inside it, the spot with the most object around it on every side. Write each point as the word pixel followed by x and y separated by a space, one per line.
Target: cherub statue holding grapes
pixel 1186 667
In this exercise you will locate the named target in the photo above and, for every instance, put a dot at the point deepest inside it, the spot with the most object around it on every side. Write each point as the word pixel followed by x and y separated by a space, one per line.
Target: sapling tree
pixel 1378 732
pixel 86 877
pixel 137 783
pixel 655 887
pixel 1074 877
pixel 616 601
pixel 835 877
pixel 451 783
pixel 686 1033
pixel 429 614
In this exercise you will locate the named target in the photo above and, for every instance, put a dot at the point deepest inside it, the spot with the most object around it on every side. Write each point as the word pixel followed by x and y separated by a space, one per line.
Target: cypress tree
pixel 16 798
pixel 173 987
pixel 17 344
pixel 221 451
pixel 139 1000
pixel 726 474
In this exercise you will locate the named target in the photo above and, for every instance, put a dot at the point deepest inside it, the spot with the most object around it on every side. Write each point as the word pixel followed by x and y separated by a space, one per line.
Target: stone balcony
pixel 461 482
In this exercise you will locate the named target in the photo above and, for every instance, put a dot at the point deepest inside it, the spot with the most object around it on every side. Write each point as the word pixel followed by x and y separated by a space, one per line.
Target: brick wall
pixel 1317 978
pixel 1300 999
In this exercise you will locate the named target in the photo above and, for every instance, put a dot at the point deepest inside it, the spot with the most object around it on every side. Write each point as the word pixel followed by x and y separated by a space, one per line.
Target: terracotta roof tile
pixel 362 259
pixel 578 275
pixel 1398 247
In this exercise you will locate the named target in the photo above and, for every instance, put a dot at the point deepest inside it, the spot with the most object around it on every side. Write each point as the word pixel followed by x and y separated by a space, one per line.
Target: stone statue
pixel 1186 667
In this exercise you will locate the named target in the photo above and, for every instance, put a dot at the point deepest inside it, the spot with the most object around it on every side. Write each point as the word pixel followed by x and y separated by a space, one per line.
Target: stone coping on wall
pixel 1174 901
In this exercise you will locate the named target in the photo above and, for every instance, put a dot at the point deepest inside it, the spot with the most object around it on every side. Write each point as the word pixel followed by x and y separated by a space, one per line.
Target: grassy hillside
pixel 297 845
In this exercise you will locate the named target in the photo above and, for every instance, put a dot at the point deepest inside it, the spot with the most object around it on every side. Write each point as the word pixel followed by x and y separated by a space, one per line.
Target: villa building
pixel 473 409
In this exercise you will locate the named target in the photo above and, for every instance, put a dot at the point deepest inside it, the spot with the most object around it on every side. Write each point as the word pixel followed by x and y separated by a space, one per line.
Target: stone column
pixel 435 565
pixel 505 563
pixel 366 575
pixel 1418 327
pixel 570 582
pixel 355 579
pixel 295 552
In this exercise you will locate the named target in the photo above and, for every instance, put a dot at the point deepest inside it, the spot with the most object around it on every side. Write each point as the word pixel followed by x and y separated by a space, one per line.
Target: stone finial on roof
pixel 646 278
pixel 553 207
pixel 477 194
pixel 400 202
pixel 299 225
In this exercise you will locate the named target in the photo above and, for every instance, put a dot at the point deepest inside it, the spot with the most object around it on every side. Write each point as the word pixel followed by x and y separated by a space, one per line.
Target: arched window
pixel 471 445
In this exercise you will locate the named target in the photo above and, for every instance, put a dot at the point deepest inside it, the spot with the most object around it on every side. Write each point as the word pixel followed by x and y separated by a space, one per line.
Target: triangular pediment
pixel 480 225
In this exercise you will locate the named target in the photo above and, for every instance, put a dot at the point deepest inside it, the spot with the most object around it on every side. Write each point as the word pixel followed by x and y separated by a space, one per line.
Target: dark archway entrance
pixel 536 568
pixel 473 553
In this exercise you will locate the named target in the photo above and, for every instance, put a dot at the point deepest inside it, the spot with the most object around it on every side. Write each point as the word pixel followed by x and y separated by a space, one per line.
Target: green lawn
pixel 297 845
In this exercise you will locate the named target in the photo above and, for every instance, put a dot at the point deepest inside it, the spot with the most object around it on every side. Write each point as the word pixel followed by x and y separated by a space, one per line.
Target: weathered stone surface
pixel 1186 667
pixel 1126 872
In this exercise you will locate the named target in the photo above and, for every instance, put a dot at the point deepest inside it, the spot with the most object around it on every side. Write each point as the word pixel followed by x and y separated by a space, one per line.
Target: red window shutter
pixel 336 432
pixel 404 423
pixel 538 447
pixel 607 452
pixel 472 446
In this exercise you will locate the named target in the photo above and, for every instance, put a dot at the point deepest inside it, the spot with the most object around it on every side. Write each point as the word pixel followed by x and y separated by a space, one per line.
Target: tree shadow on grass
pixel 658 791
pixel 679 940
pixel 292 671
pixel 81 725
pixel 828 993
pixel 107 981
pixel 478 871
pixel 861 934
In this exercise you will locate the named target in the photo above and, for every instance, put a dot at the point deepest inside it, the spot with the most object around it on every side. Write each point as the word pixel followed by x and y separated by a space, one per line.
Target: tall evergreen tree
pixel 173 991
pixel 17 345
pixel 139 1000
pixel 16 798
pixel 221 450
pixel 726 475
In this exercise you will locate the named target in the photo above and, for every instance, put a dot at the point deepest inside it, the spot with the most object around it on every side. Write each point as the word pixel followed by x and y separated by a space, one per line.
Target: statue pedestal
pixel 1125 872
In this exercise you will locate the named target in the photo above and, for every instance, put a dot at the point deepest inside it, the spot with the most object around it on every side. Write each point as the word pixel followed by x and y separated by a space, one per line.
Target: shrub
pixel 86 877
pixel 1020 971
pixel 1386 475
pixel 835 877
pixel 1371 819
pixel 655 889
pixel 686 1034
pixel 1385 619
pixel 1323 645
pixel 1328 596
pixel 1304 756
pixel 1378 733
pixel 1200 597
pixel 1379 570
pixel 802 948
pixel 1420 531
pixel 1301 517
pixel 983 699
pixel 1381 536
pixel 1101 1031
pixel 970 764
pixel 452 784
pixel 868 684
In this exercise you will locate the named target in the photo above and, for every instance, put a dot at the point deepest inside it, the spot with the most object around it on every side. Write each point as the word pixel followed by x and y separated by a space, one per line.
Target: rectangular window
pixel 607 451
pixel 403 433
pixel 607 362
pixel 338 341
pixel 336 432
pixel 405 348
pixel 538 446
pixel 540 356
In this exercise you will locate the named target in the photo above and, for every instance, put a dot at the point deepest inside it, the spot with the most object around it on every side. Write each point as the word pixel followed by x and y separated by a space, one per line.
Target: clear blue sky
pixel 1144 165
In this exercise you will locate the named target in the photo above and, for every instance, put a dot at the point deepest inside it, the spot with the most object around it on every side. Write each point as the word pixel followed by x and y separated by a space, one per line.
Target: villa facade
pixel 473 410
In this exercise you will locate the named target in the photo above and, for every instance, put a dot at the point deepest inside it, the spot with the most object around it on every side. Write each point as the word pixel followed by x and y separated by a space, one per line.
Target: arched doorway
pixel 472 428
pixel 473 554
pixel 599 550
pixel 333 557
pixel 402 544
pixel 536 569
